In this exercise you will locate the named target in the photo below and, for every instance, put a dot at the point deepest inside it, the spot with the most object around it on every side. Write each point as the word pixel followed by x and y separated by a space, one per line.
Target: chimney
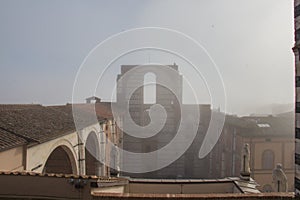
pixel 93 99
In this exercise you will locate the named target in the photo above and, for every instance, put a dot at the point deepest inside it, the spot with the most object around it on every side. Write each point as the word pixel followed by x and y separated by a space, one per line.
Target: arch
pixel 92 155
pixel 268 158
pixel 150 88
pixel 60 160
pixel 267 188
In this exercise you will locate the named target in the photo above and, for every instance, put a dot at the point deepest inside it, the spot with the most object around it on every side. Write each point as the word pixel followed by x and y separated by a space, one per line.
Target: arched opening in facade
pixel 61 161
pixel 149 88
pixel 92 164
pixel 268 159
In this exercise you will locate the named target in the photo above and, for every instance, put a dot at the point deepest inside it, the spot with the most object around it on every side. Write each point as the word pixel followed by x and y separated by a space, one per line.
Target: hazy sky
pixel 43 43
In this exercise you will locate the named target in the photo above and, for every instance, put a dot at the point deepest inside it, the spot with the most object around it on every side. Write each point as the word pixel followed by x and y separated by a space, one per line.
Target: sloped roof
pixel 281 125
pixel 102 179
pixel 35 123
pixel 9 140
pixel 21 124
pixel 102 109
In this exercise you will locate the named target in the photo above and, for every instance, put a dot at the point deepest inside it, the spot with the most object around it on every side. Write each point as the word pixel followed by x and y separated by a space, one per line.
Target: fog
pixel 44 43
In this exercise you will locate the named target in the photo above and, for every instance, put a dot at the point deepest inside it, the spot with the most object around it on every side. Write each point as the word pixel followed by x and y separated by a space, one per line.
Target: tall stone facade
pixel 297 84
pixel 170 98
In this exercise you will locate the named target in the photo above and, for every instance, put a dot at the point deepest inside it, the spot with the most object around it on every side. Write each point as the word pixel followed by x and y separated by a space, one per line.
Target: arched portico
pixel 71 148
pixel 61 160
pixel 92 155
pixel 38 155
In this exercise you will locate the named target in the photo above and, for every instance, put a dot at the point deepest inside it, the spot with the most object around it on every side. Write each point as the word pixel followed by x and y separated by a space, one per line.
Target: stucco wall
pixel 40 187
pixel 283 148
pixel 267 196
pixel 38 154
pixel 12 159
pixel 180 188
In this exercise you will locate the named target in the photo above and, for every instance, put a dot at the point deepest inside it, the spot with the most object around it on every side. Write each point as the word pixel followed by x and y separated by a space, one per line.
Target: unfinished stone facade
pixel 170 97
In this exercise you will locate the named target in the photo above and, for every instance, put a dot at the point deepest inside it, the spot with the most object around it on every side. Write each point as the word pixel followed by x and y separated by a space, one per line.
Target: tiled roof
pixel 9 140
pixel 36 123
pixel 20 124
pixel 98 178
pixel 263 126
pixel 282 125
pixel 102 109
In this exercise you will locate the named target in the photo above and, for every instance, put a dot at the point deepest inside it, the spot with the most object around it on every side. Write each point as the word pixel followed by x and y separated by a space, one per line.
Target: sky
pixel 44 43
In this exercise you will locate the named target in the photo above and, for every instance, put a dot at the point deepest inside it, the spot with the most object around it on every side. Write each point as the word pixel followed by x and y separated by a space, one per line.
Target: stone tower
pixel 131 90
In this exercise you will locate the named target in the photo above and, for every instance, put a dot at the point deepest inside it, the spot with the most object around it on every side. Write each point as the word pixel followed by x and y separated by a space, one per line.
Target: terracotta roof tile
pixel 21 124
pixel 37 123
pixel 9 140
pixel 100 179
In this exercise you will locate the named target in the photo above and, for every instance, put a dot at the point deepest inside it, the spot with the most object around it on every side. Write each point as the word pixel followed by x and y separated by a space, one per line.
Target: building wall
pixel 297 84
pixel 225 157
pixel 41 187
pixel 37 155
pixel 70 146
pixel 12 159
pixel 282 148
pixel 113 141
pixel 131 78
pixel 182 188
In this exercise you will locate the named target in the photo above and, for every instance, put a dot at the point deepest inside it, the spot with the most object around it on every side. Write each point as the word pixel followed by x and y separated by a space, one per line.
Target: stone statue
pixel 117 160
pixel 245 160
pixel 279 179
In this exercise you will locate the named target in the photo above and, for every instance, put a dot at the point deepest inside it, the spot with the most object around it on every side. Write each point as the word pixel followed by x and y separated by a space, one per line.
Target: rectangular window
pixel 297 183
pixel 297 34
pixel 297 11
pixel 297 158
pixel 298 133
pixel 297 107
pixel 297 81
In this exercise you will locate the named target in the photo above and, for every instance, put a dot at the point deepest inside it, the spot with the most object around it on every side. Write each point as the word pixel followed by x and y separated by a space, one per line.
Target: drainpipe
pixel 24 157
pixel 81 160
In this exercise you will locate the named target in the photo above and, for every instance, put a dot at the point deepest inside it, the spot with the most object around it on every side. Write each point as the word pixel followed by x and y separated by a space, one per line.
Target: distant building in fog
pixel 188 165
pixel 264 134
pixel 45 139
pixel 271 142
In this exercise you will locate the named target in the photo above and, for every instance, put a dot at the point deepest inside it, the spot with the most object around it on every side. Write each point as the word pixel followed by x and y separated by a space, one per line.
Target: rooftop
pixel 34 124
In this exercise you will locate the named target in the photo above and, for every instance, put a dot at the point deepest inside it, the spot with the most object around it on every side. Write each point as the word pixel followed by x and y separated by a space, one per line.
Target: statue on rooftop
pixel 245 160
pixel 280 179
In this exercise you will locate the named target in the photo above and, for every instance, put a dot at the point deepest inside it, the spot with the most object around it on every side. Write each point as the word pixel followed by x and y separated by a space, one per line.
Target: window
pixel 297 35
pixel 298 133
pixel 297 81
pixel 297 107
pixel 268 159
pixel 150 88
pixel 297 11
